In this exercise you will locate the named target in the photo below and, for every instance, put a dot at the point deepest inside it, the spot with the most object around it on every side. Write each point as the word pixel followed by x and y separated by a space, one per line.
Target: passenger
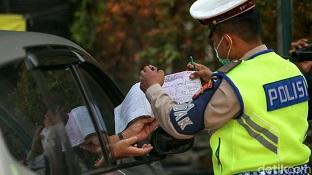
pixel 46 150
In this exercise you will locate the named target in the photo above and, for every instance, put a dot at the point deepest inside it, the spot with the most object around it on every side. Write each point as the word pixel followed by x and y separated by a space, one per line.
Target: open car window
pixel 45 115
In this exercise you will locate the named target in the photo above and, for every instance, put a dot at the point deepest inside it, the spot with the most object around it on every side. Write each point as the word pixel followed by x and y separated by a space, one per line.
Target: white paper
pixel 79 124
pixel 134 105
pixel 83 120
pixel 178 86
pixel 72 130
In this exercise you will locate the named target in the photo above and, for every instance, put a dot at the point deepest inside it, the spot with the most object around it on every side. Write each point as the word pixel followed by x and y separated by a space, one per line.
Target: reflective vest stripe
pixel 258 128
pixel 251 127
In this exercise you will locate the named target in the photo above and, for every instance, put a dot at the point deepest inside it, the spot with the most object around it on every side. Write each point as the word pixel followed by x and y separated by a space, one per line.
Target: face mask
pixel 223 61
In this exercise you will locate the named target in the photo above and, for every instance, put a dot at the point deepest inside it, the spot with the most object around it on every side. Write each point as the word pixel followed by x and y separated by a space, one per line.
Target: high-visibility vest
pixel 271 130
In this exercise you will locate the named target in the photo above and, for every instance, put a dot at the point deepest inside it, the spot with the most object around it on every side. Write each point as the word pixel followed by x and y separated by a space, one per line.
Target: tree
pixel 126 35
pixel 130 34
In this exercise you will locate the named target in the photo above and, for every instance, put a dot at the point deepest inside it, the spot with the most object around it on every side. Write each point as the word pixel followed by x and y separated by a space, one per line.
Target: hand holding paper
pixel 178 86
pixel 141 128
pixel 148 77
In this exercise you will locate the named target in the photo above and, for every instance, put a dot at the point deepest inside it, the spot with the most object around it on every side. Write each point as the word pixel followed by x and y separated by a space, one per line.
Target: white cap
pixel 213 12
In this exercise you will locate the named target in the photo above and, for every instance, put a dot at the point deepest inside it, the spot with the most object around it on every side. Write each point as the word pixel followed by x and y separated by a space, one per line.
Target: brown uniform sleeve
pixel 223 106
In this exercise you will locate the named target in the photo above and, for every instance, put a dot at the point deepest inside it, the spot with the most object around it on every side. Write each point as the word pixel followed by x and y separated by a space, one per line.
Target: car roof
pixel 12 43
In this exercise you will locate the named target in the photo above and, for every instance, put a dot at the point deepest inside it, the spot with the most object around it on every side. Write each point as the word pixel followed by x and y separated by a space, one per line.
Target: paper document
pixel 178 86
pixel 79 124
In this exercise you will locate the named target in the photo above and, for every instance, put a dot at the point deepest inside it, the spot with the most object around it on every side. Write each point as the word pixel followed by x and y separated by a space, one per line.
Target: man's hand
pixel 202 72
pixel 36 144
pixel 304 66
pixel 298 45
pixel 149 77
pixel 128 148
pixel 141 128
pixel 121 149
pixel 92 144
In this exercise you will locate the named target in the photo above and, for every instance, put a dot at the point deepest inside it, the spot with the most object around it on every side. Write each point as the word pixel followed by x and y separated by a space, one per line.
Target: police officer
pixel 255 106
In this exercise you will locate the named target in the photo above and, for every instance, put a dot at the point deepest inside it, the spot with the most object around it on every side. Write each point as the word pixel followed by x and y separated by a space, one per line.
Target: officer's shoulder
pixel 228 67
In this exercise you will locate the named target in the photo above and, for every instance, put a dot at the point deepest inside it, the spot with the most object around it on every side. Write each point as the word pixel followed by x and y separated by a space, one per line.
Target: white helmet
pixel 213 12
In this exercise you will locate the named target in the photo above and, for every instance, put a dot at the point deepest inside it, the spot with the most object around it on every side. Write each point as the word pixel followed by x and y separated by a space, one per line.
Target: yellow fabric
pixel 238 150
pixel 12 22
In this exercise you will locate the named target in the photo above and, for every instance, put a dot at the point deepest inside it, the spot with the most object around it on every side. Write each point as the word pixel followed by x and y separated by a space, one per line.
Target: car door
pixel 40 95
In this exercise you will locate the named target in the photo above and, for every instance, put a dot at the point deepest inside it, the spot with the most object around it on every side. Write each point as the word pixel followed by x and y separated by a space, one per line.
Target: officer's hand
pixel 149 77
pixel 202 72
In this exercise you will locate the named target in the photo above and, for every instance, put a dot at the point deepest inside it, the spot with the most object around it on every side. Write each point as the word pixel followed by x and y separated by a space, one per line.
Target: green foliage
pixel 131 34
pixel 268 10
pixel 124 36
pixel 85 21
pixel 302 19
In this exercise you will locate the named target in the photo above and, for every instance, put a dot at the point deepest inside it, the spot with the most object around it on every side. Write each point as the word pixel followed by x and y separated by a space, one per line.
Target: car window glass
pixel 77 121
pixel 18 125
pixel 31 132
pixel 106 108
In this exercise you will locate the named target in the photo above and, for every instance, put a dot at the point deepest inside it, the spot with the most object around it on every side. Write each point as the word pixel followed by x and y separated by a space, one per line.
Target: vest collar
pixel 254 51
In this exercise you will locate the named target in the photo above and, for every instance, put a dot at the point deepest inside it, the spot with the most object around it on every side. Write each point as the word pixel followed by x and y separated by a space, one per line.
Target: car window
pixel 30 115
pixel 103 102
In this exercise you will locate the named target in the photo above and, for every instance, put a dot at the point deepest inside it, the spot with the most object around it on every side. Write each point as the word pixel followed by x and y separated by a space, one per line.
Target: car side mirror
pixel 164 143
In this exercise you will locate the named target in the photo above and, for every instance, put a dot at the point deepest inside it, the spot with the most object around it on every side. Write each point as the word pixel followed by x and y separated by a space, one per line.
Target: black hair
pixel 246 26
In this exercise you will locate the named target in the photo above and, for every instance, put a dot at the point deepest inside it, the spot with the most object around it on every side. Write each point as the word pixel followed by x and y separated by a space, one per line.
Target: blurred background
pixel 125 35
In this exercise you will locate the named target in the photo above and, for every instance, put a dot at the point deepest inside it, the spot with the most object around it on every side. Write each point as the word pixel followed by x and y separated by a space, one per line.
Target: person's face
pixel 222 46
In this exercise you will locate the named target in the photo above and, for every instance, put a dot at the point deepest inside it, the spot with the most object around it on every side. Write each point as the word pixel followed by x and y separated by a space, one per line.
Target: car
pixel 42 75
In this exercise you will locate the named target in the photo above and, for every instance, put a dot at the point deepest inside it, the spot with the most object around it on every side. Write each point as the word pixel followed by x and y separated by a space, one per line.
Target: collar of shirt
pixel 254 51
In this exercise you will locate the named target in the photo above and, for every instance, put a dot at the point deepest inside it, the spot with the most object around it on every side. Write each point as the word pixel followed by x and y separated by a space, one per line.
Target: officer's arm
pixel 210 110
pixel 161 105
